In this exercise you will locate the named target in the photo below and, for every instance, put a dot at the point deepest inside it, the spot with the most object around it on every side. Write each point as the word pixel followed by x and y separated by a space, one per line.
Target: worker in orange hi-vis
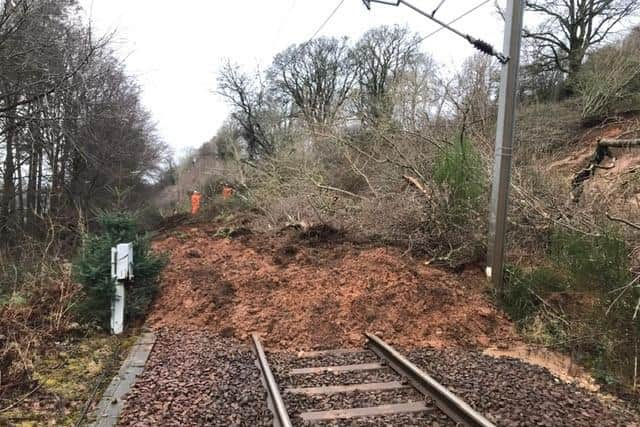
pixel 227 192
pixel 195 202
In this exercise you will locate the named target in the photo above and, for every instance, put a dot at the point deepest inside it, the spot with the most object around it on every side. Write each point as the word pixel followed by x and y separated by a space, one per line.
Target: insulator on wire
pixel 481 45
pixel 485 47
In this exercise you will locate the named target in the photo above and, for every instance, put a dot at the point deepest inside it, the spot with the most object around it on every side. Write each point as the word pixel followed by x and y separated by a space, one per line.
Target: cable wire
pixel 327 20
pixel 285 18
pixel 455 20
pixel 437 7
pixel 479 44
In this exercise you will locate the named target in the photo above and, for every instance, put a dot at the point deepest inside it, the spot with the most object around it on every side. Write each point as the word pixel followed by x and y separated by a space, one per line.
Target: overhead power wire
pixel 327 20
pixel 324 23
pixel 284 20
pixel 468 12
pixel 479 44
pixel 437 7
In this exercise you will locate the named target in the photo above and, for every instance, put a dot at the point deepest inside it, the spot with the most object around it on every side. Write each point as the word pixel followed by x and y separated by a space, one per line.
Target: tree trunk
pixel 8 187
pixel 619 143
pixel 32 183
pixel 575 66
pixel 39 195
pixel 19 192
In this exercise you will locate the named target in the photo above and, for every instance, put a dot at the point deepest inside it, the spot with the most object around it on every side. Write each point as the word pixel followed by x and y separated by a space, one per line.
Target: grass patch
pixel 573 303
pixel 521 296
pixel 596 263
pixel 68 375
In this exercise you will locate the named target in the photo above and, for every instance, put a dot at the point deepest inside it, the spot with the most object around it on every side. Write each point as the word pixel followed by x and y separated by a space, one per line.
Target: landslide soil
pixel 318 292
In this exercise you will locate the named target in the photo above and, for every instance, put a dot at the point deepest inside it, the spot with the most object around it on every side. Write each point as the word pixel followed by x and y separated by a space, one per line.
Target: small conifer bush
pixel 461 170
pixel 93 270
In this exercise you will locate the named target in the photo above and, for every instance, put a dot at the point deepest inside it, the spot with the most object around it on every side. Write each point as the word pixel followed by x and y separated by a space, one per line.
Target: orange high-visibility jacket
pixel 195 203
pixel 227 192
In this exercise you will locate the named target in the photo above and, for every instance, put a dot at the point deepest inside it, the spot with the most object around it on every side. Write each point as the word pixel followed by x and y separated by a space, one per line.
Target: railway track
pixel 373 386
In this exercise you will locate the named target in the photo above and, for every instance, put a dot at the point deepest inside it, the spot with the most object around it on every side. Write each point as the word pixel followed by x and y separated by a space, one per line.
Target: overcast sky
pixel 175 48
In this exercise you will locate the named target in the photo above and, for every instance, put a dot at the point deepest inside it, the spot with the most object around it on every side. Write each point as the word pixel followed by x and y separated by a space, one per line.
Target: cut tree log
pixel 619 143
pixel 624 221
pixel 415 183
pixel 603 151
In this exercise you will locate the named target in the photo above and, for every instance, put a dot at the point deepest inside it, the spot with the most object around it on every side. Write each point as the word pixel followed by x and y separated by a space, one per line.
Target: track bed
pixel 298 403
pixel 200 379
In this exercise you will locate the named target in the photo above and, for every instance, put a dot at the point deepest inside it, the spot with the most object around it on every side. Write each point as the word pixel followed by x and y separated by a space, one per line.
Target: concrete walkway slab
pixel 108 409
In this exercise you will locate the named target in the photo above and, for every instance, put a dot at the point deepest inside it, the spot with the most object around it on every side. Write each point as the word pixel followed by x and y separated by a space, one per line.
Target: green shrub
pixel 93 270
pixel 519 297
pixel 516 298
pixel 592 262
pixel 578 262
pixel 460 169
pixel 593 320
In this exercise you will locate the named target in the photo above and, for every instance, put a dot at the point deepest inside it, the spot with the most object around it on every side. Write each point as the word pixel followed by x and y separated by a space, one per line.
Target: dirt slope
pixel 318 294
pixel 615 183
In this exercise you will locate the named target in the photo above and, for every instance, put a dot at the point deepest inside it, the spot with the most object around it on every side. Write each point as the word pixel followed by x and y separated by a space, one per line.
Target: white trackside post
pixel 121 270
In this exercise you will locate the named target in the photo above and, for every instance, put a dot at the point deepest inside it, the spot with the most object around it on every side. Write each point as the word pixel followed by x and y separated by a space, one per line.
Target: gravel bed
pixel 281 363
pixel 335 378
pixel 196 379
pixel 510 392
pixel 293 361
pixel 303 403
pixel 431 418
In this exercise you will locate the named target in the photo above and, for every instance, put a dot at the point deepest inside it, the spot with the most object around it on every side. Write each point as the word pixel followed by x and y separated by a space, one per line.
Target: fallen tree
pixel 619 143
pixel 603 150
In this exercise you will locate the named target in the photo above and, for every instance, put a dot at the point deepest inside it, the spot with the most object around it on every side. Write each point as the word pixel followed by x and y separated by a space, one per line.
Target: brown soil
pixel 561 366
pixel 319 291
pixel 610 182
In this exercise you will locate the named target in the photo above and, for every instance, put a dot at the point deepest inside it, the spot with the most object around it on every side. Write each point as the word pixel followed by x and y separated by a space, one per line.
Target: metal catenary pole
pixel 504 142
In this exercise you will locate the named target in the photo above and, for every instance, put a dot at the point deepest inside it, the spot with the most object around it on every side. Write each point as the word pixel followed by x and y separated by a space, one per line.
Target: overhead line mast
pixel 504 144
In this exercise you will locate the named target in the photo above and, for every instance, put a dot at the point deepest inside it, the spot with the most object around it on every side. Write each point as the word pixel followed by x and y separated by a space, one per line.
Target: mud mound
pixel 322 234
pixel 305 296
pixel 173 221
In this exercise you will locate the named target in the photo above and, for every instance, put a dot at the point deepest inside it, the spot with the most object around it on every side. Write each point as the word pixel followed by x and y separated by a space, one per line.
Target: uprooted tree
pixel 602 151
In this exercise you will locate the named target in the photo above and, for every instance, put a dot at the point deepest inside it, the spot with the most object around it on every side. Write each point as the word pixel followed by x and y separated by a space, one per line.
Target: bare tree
pixel 473 94
pixel 382 56
pixel 71 122
pixel 317 76
pixel 249 99
pixel 571 27
pixel 418 94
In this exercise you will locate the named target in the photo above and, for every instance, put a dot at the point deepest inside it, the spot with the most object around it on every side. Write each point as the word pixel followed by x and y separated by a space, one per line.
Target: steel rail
pixel 449 403
pixel 276 404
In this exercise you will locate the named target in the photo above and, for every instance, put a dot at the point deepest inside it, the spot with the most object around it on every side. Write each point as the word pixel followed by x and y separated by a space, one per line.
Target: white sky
pixel 175 48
